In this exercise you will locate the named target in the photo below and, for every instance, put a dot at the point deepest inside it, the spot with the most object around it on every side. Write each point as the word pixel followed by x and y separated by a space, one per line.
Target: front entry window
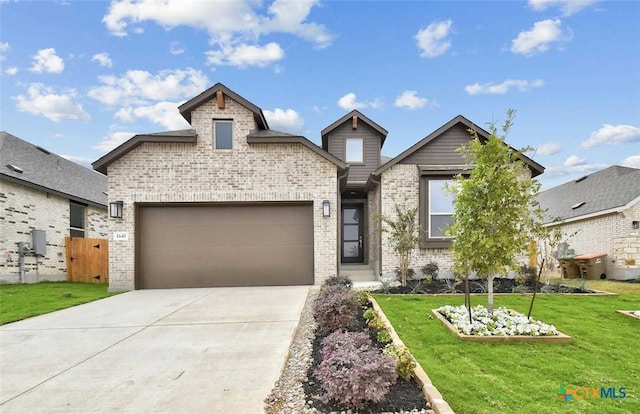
pixel 352 224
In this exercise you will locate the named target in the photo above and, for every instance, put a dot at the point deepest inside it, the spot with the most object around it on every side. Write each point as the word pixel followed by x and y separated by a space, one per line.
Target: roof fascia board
pixel 51 191
pixel 298 140
pixel 102 163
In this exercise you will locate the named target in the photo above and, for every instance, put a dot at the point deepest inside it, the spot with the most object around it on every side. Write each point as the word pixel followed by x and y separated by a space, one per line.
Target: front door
pixel 352 223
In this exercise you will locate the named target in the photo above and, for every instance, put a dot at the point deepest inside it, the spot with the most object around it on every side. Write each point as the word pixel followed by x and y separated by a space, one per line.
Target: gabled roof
pixel 325 132
pixel 187 107
pixel 613 189
pixel 270 136
pixel 180 136
pixel 35 167
pixel 536 169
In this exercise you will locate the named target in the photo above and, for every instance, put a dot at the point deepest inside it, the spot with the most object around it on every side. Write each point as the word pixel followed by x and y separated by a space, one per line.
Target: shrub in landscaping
pixel 430 270
pixel 354 371
pixel 369 314
pixel 336 308
pixel 363 297
pixel 338 280
pixel 383 336
pixel 405 364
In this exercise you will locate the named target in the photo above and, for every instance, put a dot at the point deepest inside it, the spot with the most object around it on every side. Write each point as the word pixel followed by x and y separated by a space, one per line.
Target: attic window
pixel 581 179
pixel 15 168
pixel 580 204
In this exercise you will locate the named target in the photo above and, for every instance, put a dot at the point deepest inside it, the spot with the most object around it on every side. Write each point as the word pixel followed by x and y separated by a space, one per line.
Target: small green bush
pixel 405 365
pixel 430 269
pixel 383 336
pixel 369 314
pixel 363 297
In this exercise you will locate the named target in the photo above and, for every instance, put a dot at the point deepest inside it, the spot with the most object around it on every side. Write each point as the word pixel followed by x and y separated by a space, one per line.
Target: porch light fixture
pixel 115 209
pixel 326 209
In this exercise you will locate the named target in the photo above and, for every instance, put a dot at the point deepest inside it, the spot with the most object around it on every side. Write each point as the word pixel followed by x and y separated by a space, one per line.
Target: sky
pixel 80 77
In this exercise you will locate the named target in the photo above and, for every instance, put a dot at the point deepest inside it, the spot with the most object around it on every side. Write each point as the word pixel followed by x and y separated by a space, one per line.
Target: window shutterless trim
pixel 423 206
pixel 213 133
pixel 346 152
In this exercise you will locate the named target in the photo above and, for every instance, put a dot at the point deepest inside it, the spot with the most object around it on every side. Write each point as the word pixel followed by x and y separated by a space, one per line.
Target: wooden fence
pixel 87 260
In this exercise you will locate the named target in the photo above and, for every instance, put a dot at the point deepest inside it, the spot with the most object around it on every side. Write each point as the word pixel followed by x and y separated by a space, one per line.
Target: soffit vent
pixel 580 204
pixel 15 168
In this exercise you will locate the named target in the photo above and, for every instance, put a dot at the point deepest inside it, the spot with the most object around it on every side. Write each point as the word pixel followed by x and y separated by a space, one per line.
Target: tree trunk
pixel 490 295
pixel 467 297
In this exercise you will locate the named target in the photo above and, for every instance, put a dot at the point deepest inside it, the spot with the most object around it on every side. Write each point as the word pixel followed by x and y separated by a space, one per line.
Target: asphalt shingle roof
pixel 50 172
pixel 603 190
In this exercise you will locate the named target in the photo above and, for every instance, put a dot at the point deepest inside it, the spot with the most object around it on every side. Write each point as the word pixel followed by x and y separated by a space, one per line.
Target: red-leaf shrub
pixel 336 307
pixel 354 371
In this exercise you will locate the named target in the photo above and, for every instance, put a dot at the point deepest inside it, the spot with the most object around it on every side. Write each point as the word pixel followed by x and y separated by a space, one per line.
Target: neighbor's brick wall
pixel 597 235
pixel 156 172
pixel 23 209
pixel 400 185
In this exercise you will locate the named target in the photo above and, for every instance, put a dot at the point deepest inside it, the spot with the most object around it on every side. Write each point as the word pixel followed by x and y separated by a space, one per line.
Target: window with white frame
pixel 354 150
pixel 440 212
pixel 222 134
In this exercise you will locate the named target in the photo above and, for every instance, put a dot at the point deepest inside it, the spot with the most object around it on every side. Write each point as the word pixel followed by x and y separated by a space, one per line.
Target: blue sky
pixel 81 77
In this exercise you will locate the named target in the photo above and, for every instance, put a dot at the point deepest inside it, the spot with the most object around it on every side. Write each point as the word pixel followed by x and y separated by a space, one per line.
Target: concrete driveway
pixel 217 350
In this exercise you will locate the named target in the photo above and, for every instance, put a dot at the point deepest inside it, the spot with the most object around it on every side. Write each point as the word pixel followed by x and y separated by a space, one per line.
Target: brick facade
pixel 23 209
pixel 177 173
pixel 611 234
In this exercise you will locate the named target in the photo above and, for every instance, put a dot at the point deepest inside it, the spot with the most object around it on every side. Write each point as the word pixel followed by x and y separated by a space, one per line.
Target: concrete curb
pixel 556 339
pixel 431 393
pixel 628 313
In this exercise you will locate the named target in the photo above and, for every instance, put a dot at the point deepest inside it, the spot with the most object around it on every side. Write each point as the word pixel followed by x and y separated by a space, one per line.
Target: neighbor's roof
pixel 325 132
pixel 613 189
pixel 180 136
pixel 193 103
pixel 536 169
pixel 35 167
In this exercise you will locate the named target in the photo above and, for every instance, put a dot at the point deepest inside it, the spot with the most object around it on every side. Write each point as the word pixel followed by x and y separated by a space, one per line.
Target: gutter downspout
pixel 338 213
pixel 379 183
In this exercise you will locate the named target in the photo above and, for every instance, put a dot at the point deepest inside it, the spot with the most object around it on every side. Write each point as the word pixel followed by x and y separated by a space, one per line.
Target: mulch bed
pixel 403 395
pixel 500 285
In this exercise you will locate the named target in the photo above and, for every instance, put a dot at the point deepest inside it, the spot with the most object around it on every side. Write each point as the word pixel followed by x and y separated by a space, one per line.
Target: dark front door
pixel 352 223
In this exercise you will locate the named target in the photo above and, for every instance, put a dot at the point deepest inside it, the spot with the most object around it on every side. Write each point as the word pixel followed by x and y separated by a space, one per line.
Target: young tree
pixel 495 215
pixel 403 232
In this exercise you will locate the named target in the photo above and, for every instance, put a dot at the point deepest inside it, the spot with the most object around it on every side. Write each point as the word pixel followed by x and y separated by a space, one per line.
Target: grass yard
pixel 606 285
pixel 26 300
pixel 525 378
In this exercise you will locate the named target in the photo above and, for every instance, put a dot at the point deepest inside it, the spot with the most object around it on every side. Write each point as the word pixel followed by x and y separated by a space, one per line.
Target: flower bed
pixel 504 325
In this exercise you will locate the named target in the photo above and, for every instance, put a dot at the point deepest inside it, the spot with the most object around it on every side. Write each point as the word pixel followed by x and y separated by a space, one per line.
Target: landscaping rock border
pixel 628 313
pixel 555 339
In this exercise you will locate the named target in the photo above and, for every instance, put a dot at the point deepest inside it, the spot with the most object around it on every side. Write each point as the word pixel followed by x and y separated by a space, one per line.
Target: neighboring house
pixel 56 198
pixel 231 202
pixel 602 212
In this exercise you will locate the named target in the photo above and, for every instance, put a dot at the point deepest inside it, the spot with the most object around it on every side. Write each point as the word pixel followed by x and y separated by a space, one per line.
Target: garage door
pixel 206 246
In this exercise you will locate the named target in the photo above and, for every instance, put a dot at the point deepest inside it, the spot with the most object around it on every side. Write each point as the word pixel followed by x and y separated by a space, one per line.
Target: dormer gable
pixel 354 117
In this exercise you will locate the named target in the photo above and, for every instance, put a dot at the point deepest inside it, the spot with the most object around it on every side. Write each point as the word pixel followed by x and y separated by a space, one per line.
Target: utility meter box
pixel 39 242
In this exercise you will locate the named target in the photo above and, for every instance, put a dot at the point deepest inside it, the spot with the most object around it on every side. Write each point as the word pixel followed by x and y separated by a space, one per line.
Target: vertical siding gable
pixel 371 141
pixel 442 150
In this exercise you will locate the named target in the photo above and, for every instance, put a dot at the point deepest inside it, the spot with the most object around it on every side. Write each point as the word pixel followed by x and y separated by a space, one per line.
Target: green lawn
pixel 525 378
pixel 26 300
pixel 606 285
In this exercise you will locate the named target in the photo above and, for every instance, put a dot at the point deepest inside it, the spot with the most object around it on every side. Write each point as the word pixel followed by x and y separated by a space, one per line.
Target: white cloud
pixel 286 120
pixel 548 148
pixel 434 40
pixel 112 140
pixel 539 38
pixel 140 87
pixel 46 60
pixel 56 106
pixel 162 113
pixel 632 161
pixel 176 49
pixel 411 100
pixel 501 88
pixel 11 70
pixel 350 101
pixel 246 55
pixel 78 160
pixel 574 161
pixel 230 24
pixel 4 48
pixel 103 59
pixel 613 135
pixel 568 7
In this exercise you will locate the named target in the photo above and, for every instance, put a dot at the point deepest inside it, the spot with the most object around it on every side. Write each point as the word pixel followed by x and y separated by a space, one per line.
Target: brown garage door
pixel 204 246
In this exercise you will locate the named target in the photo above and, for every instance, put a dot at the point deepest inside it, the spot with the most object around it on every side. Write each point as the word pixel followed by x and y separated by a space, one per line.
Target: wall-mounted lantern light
pixel 115 209
pixel 326 208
